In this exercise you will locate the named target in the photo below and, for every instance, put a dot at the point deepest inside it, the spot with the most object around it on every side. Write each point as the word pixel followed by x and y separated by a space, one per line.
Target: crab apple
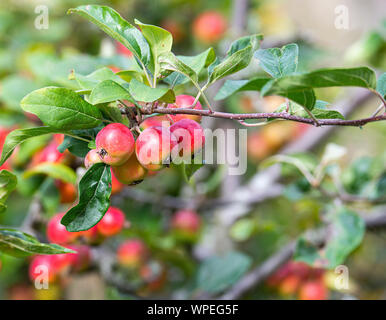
pixel 155 146
pixel 257 147
pixel 122 50
pixel 190 136
pixel 185 101
pixel 186 221
pixel 116 186
pixel 67 191
pixel 43 266
pixel 290 284
pixel 115 144
pixel 131 172
pixel 209 26
pixel 57 233
pixel 174 28
pixel 92 157
pixel 49 154
pixel 313 290
pixel 154 274
pixel 156 121
pixel 111 223
pixel 132 253
pixel 81 259
pixel 90 235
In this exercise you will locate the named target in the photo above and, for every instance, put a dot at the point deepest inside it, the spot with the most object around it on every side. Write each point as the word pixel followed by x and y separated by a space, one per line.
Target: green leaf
pixel 108 91
pixel 49 196
pixel 54 170
pixel 170 62
pixel 232 64
pixel 142 92
pixel 61 108
pixel 230 87
pixel 160 41
pixel 190 63
pixel 317 111
pixel 239 44
pixel 381 85
pixel 116 27
pixel 345 234
pixel 279 62
pixel 217 273
pixel 90 81
pixel 8 182
pixel 16 137
pixel 79 147
pixel 20 244
pixel 94 199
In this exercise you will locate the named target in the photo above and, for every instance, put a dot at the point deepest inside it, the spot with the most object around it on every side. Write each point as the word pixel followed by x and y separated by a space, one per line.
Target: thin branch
pixel 269 266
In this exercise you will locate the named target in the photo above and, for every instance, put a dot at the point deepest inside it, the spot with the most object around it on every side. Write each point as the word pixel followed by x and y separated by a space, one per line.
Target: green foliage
pixel 94 199
pixel 20 244
pixel 108 91
pixel 53 170
pixel 345 233
pixel 218 273
pixel 142 92
pixel 8 182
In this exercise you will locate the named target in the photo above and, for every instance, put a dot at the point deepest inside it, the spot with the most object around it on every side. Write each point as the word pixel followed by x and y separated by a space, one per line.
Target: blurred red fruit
pixel 190 136
pixel 209 27
pixel 132 253
pixel 122 50
pixel 313 290
pixel 186 221
pixel 57 233
pixel 43 266
pixel 67 191
pixel 185 101
pixel 111 223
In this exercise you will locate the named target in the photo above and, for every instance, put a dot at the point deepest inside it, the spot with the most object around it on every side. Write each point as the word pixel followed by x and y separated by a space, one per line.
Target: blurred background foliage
pixel 32 58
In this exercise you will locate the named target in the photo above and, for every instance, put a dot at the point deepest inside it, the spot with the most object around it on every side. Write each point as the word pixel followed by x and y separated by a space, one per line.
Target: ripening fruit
pixel 122 50
pixel 115 144
pixel 154 275
pixel 90 235
pixel 81 259
pixel 289 285
pixel 156 121
pixel 313 290
pixel 257 146
pixel 57 233
pixel 155 146
pixel 111 223
pixel 190 136
pixel 131 172
pixel 49 154
pixel 132 253
pixel 43 266
pixel 92 157
pixel 209 26
pixel 67 191
pixel 174 28
pixel 116 186
pixel 186 221
pixel 185 101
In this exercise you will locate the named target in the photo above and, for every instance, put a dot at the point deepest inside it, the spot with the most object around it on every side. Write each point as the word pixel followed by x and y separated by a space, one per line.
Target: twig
pixel 263 271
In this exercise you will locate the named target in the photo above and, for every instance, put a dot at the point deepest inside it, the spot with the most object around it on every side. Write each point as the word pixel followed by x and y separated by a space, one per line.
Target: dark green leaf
pixel 142 92
pixel 116 27
pixel 20 244
pixel 18 136
pixel 61 108
pixel 239 44
pixel 108 91
pixel 279 62
pixel 94 199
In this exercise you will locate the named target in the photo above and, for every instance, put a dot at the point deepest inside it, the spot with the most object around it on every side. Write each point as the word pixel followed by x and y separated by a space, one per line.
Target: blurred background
pixel 222 242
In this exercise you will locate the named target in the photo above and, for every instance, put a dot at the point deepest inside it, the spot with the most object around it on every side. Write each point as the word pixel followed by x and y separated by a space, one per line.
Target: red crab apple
pixel 313 290
pixel 155 146
pixel 41 266
pixel 209 26
pixel 111 223
pixel 81 259
pixel 132 253
pixel 49 154
pixel 92 157
pixel 186 221
pixel 190 136
pixel 67 191
pixel 122 50
pixel 156 121
pixel 131 172
pixel 115 144
pixel 57 233
pixel 290 284
pixel 185 101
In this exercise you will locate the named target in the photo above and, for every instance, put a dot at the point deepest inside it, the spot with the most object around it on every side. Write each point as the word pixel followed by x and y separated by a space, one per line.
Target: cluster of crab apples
pixel 163 139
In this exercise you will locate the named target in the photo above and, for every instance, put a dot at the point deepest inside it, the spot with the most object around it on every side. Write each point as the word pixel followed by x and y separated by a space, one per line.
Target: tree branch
pixel 269 266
